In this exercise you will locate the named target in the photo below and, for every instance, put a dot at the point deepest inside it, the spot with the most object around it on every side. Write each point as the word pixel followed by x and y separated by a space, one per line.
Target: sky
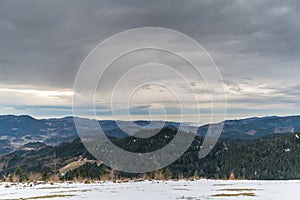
pixel 255 45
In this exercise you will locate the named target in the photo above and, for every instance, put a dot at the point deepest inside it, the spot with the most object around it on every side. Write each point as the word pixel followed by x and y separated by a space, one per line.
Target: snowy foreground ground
pixel 190 190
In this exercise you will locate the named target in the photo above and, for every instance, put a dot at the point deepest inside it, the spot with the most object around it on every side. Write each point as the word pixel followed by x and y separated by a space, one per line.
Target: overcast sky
pixel 255 44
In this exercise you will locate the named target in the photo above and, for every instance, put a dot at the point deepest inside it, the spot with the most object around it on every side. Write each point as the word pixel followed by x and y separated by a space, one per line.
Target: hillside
pixel 16 131
pixel 271 158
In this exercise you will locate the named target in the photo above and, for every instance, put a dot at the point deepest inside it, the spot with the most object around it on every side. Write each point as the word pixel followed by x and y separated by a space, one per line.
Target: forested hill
pixel 270 158
pixel 16 131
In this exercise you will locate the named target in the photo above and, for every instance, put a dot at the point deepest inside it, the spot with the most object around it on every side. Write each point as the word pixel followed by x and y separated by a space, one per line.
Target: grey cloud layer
pixel 42 43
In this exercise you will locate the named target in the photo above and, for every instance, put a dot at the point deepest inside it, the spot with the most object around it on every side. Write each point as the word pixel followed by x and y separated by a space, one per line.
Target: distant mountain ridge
pixel 252 128
pixel 16 131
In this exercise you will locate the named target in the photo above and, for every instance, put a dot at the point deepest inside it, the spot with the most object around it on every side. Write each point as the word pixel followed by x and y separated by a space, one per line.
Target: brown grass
pixel 248 194
pixel 69 191
pixel 45 197
pixel 237 189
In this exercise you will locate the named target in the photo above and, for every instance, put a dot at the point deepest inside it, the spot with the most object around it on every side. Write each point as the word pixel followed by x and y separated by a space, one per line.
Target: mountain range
pixel 16 131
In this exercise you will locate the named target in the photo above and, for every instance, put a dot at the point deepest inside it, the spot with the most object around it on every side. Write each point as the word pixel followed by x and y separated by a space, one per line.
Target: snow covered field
pixel 190 190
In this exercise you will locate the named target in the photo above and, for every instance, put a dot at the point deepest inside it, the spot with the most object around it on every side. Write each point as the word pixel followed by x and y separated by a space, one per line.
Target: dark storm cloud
pixel 45 41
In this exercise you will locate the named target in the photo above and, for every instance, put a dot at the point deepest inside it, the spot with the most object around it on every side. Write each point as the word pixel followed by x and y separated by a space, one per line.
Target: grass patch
pixel 44 197
pixel 189 198
pixel 71 191
pixel 248 194
pixel 76 164
pixel 237 189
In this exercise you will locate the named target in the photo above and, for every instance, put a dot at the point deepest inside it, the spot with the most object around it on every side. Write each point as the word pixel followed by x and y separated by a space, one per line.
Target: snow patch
pixel 163 190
